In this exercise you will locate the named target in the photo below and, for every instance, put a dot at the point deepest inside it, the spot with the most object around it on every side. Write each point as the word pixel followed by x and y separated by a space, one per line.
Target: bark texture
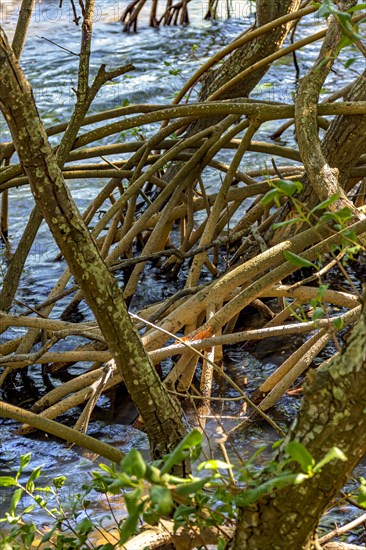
pixel 161 414
pixel 344 141
pixel 342 146
pixel 332 413
pixel 322 178
pixel 252 52
pixel 243 58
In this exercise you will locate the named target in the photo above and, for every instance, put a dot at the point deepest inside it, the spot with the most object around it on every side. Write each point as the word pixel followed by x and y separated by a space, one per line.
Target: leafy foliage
pixel 151 493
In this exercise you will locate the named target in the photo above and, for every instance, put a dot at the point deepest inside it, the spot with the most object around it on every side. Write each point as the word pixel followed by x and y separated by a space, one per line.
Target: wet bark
pixel 243 58
pixel 246 56
pixel 161 414
pixel 342 146
pixel 332 414
pixel 344 141
pixel 322 179
pixel 252 52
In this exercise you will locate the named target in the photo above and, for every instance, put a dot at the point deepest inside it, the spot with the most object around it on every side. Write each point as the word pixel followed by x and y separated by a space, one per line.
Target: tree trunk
pixel 322 179
pixel 332 414
pixel 344 141
pixel 252 52
pixel 161 414
pixel 243 58
pixel 342 146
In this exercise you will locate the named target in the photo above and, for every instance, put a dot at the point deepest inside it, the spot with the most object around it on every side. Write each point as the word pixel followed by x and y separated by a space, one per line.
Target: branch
pixel 58 430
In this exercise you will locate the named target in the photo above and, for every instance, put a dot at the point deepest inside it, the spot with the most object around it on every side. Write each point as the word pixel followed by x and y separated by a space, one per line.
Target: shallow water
pixel 52 73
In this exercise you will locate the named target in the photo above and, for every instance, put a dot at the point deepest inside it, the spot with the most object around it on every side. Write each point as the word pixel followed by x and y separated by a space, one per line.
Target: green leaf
pixel 134 464
pixel 344 19
pixel 344 43
pixel 36 473
pixel 341 216
pixel 287 479
pixel 110 470
pixel 326 8
pixel 345 213
pixel 40 501
pixel 122 481
pixel 7 481
pixel 255 455
pixel 45 490
pixel 28 509
pixel 357 8
pixel 353 250
pixel 344 16
pixel 288 187
pixel 133 500
pixel 129 526
pixel 300 454
pixel 328 217
pixel 28 538
pixel 324 204
pixel 350 62
pixel 59 481
pixel 24 461
pixel 271 196
pixel 214 465
pixel 183 512
pixel 318 313
pixel 193 487
pixel 161 499
pixel 287 222
pixel 333 454
pixel 29 486
pixel 321 291
pixel 334 248
pixel 84 526
pixel 46 537
pixel 153 474
pixel 150 517
pixel 182 451
pixel 15 500
pixel 12 519
pixel 350 235
pixel 296 260
pixel 253 495
pixel 361 497
pixel 338 323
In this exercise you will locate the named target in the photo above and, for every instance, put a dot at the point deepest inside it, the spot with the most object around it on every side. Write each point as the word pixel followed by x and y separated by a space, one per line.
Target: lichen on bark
pixel 161 414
